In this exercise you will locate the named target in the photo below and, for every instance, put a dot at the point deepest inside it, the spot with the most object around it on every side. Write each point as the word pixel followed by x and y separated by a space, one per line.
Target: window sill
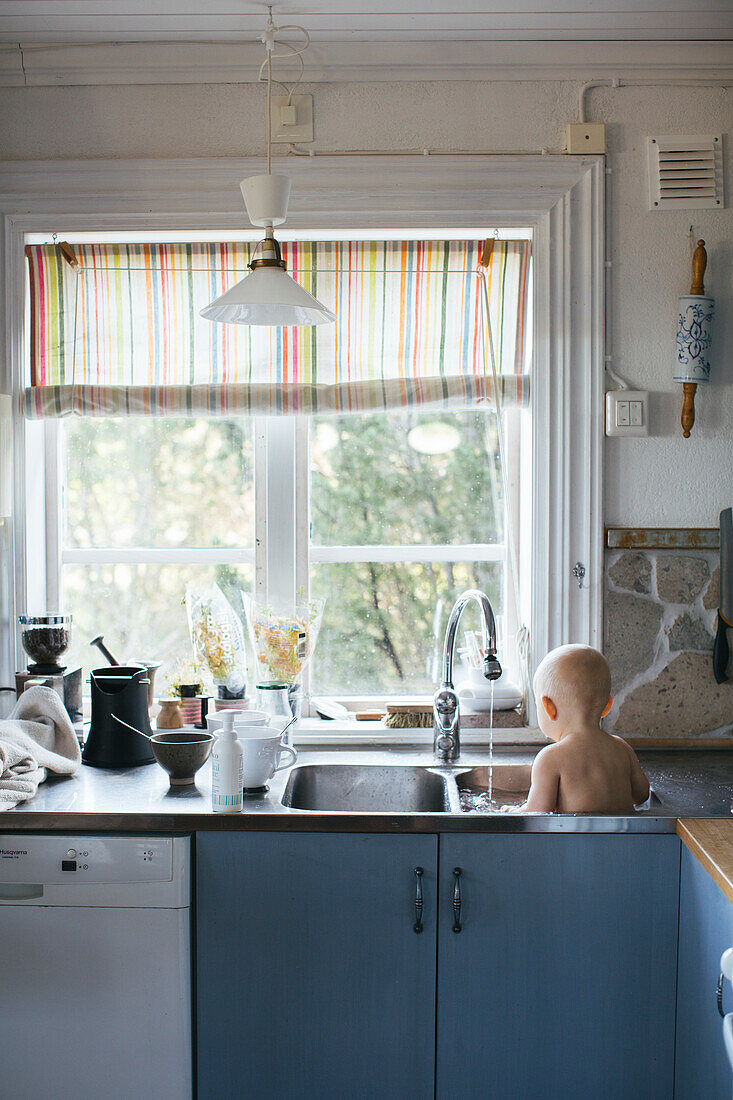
pixel 315 732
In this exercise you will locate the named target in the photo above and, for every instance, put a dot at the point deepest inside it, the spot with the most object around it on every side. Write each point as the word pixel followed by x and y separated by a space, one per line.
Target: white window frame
pixel 560 197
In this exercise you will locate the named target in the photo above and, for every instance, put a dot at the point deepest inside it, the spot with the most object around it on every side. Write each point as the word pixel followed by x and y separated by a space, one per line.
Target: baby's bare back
pixel 595 774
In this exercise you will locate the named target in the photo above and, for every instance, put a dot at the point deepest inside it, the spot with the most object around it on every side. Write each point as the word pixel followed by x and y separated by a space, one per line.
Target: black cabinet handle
pixel 417 926
pixel 457 899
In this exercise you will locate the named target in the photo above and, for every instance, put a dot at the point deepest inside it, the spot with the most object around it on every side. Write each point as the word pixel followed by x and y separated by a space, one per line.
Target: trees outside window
pixel 406 510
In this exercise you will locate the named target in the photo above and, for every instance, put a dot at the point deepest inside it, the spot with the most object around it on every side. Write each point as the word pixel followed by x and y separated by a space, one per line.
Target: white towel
pixel 36 737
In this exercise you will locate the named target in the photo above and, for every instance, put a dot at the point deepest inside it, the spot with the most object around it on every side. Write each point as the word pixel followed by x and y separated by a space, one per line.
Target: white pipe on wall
pixel 6 456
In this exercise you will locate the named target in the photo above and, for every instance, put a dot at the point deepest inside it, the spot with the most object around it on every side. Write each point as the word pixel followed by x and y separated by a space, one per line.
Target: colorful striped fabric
pixel 121 334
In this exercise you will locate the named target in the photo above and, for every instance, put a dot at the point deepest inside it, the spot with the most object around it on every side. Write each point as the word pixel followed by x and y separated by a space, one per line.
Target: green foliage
pixel 152 483
pixel 189 483
pixel 159 482
pixel 380 630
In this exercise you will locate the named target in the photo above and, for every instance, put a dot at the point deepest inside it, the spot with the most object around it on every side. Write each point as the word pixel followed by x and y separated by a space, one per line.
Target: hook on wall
pixel 578 572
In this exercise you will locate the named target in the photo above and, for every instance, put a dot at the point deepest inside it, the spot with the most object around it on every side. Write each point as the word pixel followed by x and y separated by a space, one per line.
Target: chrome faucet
pixel 446 714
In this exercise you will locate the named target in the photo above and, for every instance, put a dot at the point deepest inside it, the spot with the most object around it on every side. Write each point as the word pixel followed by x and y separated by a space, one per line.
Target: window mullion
pixel 276 521
pixel 302 506
pixel 260 480
pixel 55 504
pixel 302 533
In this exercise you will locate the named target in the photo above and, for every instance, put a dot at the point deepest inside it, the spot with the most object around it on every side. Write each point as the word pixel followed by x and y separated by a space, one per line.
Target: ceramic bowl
pixel 181 753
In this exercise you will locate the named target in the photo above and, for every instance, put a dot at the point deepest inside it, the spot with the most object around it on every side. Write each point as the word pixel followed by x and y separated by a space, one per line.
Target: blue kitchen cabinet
pixel 706 930
pixel 561 983
pixel 311 981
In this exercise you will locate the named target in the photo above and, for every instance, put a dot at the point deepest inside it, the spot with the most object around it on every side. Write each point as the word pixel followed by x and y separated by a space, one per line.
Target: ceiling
pixel 71 42
pixel 81 21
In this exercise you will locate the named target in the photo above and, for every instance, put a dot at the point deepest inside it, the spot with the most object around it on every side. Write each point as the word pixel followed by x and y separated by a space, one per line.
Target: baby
pixel 588 770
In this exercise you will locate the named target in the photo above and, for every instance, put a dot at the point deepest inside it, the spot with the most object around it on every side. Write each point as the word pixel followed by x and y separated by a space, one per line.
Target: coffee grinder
pixel 45 639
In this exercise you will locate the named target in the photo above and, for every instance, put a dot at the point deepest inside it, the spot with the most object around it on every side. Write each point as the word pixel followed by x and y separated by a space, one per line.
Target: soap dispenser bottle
pixel 227 769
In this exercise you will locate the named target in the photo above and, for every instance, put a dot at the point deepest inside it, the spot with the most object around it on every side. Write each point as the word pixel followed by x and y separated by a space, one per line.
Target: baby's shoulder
pixel 548 755
pixel 621 744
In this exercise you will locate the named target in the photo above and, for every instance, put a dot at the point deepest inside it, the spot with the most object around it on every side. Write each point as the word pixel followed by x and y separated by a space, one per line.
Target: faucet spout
pixel 446 709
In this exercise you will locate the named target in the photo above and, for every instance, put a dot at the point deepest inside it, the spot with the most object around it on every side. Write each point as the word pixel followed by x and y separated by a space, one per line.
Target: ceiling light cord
pixel 270 42
pixel 268 112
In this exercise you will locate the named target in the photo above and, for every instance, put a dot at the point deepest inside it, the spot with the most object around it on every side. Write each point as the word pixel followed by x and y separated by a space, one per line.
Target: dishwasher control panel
pixel 64 860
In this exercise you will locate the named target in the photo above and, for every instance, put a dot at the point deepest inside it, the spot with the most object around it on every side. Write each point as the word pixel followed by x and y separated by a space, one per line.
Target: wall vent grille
pixel 686 172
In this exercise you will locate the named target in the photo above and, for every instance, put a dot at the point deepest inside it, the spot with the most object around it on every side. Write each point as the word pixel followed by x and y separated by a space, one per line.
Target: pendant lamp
pixel 268 296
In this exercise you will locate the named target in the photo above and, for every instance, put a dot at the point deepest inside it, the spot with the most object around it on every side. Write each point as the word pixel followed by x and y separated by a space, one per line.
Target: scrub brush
pixel 403 716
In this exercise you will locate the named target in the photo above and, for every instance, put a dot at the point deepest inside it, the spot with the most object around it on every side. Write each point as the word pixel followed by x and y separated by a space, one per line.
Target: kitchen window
pixel 149 507
pixel 385 517
pixel 559 198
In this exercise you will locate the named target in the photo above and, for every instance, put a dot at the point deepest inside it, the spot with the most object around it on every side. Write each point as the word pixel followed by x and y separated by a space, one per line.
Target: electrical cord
pixel 269 41
pixel 522 638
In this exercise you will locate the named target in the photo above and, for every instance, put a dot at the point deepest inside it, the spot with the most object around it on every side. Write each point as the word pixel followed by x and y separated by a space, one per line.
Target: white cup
pixel 263 754
pixel 214 722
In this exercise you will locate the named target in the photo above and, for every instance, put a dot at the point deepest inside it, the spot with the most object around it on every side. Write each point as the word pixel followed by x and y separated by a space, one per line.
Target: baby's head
pixel 572 685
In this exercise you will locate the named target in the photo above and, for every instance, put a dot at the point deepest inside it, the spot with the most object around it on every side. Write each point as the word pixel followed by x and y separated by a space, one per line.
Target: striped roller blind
pixel 121 335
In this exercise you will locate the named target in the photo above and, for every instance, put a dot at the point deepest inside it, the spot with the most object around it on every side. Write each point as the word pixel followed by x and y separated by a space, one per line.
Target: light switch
pixel 627 412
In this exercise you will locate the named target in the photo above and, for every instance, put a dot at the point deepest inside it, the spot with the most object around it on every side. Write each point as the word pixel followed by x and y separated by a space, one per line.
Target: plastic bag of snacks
pixel 217 638
pixel 283 644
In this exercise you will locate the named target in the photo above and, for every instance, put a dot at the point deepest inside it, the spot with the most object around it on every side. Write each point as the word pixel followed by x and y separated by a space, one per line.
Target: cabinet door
pixel 561 983
pixel 312 982
pixel 706 930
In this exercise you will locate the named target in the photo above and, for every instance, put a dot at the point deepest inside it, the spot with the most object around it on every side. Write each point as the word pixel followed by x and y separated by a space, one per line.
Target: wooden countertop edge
pixel 710 841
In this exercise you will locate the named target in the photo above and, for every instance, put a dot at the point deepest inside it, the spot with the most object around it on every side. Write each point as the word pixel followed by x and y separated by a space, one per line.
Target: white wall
pixel 661 481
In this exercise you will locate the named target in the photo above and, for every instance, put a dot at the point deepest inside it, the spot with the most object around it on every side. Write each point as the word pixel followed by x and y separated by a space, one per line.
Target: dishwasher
pixel 95 974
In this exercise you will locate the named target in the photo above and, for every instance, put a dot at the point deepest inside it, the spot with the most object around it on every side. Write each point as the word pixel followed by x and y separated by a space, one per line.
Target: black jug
pixel 120 692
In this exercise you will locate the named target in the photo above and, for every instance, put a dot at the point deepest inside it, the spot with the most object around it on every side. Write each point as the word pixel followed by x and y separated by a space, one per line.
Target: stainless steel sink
pixel 509 778
pixel 487 788
pixel 370 788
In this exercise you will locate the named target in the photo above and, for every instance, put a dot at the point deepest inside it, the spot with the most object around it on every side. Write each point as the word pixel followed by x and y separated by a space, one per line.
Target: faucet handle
pixel 446 724
pixel 445 701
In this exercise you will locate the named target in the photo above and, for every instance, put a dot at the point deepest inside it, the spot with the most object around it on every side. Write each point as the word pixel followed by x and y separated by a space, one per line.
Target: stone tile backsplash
pixel 660 611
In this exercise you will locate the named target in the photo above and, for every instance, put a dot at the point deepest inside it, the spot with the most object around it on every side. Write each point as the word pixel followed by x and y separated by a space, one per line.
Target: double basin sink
pixel 402 788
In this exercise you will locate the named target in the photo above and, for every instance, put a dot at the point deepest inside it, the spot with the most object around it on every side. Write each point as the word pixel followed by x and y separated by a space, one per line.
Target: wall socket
pixel 627 412
pixel 292 121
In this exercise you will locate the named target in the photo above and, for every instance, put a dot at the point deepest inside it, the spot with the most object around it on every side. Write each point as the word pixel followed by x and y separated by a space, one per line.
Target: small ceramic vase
pixel 170 717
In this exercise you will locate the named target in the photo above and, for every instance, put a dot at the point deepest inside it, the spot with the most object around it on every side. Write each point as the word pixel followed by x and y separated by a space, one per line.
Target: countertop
pixel 687 784
pixel 711 843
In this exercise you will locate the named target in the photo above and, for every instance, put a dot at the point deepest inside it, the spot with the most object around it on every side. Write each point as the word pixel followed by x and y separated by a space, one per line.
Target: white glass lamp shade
pixel 268 296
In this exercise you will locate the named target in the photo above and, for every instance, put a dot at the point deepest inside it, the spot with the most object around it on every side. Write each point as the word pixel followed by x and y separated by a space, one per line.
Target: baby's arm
pixel 545 784
pixel 639 781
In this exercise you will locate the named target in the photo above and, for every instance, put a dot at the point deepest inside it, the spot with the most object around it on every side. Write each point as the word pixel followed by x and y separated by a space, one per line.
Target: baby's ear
pixel 607 707
pixel 550 708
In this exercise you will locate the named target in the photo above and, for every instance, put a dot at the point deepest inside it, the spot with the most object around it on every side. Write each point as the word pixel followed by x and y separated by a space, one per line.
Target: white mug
pixel 214 722
pixel 263 754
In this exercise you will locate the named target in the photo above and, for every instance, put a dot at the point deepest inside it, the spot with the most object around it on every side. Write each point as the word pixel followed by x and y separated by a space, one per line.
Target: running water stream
pixel 491 745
